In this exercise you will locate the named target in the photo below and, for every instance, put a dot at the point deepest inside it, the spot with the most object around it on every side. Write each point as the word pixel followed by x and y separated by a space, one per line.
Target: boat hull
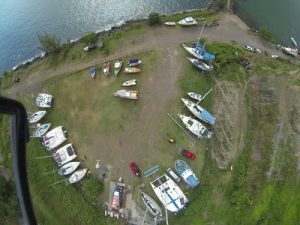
pixel 152 206
pixel 185 171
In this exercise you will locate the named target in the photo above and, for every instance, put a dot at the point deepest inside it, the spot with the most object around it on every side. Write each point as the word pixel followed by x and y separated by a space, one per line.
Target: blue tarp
pixel 208 117
pixel 201 51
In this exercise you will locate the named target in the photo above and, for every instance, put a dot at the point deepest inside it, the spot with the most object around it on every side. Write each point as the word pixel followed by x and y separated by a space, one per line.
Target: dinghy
pixel 199 52
pixel 41 130
pixel 43 100
pixel 106 68
pixel 134 62
pixel 93 72
pixel 200 64
pixel 54 138
pixel 188 21
pixel 290 51
pixel 37 116
pixel 77 176
pixel 129 83
pixel 64 155
pixel 132 70
pixel 199 112
pixel 127 94
pixel 195 126
pixel 195 96
pixel 152 206
pixel 68 168
pixel 169 194
pixel 117 67
pixel 187 174
pixel 116 202
pixel 294 41
pixel 170 23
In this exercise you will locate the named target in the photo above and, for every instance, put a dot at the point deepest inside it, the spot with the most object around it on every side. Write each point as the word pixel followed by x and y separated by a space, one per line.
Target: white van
pixel 173 174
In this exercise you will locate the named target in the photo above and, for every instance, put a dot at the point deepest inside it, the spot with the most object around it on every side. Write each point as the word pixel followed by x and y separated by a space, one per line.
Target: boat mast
pixel 204 96
pixel 201 32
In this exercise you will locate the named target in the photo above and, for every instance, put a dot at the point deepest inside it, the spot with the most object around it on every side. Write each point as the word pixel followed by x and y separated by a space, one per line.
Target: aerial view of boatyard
pixel 150 112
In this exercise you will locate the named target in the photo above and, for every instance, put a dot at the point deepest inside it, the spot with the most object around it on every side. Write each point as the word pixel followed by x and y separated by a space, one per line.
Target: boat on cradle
pixel 77 176
pixel 93 72
pixel 294 41
pixel 116 202
pixel 132 70
pixel 64 155
pixel 169 194
pixel 195 96
pixel 200 64
pixel 127 94
pixel 54 138
pixel 68 168
pixel 43 100
pixel 151 205
pixel 117 67
pixel 134 62
pixel 187 174
pixel 195 126
pixel 199 112
pixel 188 21
pixel 106 68
pixel 169 23
pixel 290 51
pixel 37 116
pixel 41 130
pixel 129 83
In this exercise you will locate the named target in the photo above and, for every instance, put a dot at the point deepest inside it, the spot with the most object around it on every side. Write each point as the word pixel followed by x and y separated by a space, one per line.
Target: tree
pixel 265 34
pixel 154 19
pixel 222 3
pixel 90 38
pixel 49 43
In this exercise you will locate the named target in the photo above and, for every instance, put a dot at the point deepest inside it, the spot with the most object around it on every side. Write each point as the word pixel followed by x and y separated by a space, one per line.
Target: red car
pixel 188 154
pixel 134 169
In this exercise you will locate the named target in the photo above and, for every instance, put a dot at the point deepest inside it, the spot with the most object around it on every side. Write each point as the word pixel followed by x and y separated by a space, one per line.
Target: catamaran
pixel 199 112
pixel 152 206
pixel 195 127
pixel 187 174
pixel 43 100
pixel 169 193
pixel 54 138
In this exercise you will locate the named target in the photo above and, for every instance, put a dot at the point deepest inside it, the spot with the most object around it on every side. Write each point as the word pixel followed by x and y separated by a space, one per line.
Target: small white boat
pixel 127 94
pixel 54 138
pixel 77 176
pixel 68 168
pixel 193 52
pixel 106 69
pixel 169 194
pixel 199 112
pixel 200 64
pixel 274 56
pixel 129 83
pixel 249 48
pixel 41 130
pixel 118 67
pixel 188 21
pixel 64 155
pixel 195 126
pixel 294 41
pixel 195 96
pixel 43 100
pixel 152 206
pixel 290 51
pixel 37 116
pixel 169 23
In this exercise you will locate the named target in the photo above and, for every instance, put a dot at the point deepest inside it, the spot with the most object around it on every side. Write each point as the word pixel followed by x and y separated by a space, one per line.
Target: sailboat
pixel 200 64
pixel 152 206
pixel 77 176
pixel 37 116
pixel 187 174
pixel 41 130
pixel 68 168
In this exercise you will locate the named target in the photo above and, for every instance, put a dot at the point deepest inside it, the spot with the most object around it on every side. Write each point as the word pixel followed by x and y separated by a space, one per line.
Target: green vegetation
pixel 222 3
pixel 266 34
pixel 89 38
pixel 154 19
pixel 49 43
pixel 92 187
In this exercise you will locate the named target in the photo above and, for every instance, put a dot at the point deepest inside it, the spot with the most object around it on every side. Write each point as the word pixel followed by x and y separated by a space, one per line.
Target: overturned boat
pixel 169 194
pixel 195 126
pixel 77 176
pixel 68 168
pixel 152 206
pixel 43 100
pixel 37 116
pixel 41 130
pixel 54 138
pixel 64 155
pixel 127 94
pixel 199 112
pixel 200 64
pixel 187 174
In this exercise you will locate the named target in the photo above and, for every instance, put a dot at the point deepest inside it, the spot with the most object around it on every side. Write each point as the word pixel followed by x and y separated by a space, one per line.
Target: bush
pixel 222 3
pixel 49 43
pixel 154 19
pixel 92 187
pixel 90 38
pixel 265 34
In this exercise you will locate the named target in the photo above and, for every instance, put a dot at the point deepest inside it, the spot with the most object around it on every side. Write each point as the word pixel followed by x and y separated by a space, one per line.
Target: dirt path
pixel 230 28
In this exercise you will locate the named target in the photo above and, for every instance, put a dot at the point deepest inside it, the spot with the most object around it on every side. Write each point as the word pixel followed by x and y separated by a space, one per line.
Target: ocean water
pixel 22 20
pixel 281 17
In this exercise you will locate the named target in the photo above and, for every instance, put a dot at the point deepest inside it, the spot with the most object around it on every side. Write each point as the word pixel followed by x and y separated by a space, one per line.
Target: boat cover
pixel 201 51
